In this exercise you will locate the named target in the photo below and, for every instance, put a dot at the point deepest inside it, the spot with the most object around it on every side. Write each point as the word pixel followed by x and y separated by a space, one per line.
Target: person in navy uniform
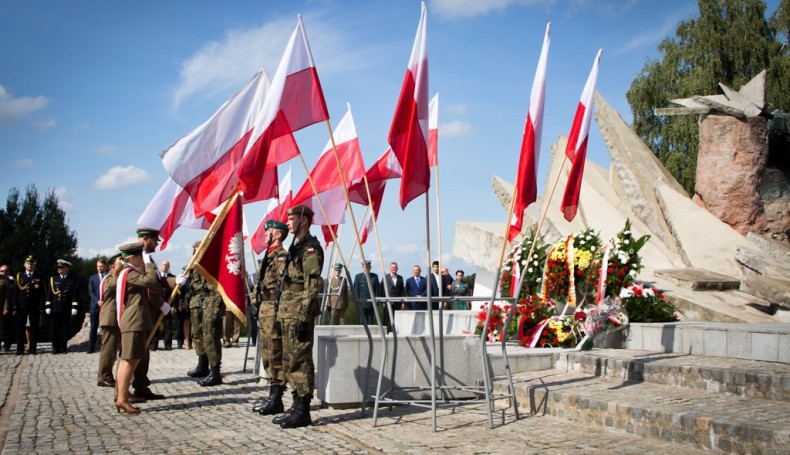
pixel 61 304
pixel 29 292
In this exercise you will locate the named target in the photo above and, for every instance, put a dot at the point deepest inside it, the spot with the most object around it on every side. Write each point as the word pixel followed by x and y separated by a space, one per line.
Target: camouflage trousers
pixel 271 344
pixel 207 332
pixel 297 360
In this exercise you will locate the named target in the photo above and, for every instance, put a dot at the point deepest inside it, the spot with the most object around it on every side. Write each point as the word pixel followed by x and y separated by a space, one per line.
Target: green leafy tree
pixel 730 41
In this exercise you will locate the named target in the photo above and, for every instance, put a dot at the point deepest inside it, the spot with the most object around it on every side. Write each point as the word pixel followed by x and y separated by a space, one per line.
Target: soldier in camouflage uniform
pixel 270 332
pixel 298 308
pixel 206 309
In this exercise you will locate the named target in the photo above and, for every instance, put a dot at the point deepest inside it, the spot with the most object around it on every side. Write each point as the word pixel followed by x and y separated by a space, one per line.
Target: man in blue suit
pixel 94 284
pixel 417 286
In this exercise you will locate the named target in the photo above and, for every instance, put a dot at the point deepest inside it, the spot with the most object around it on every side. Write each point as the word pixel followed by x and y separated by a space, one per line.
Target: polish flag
pixel 526 191
pixel 433 131
pixel 171 208
pixel 204 162
pixel 276 210
pixel 408 134
pixel 576 151
pixel 385 168
pixel 222 263
pixel 325 173
pixel 295 101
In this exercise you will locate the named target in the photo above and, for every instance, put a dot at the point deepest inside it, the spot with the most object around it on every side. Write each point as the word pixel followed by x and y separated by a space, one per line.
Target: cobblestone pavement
pixel 50 404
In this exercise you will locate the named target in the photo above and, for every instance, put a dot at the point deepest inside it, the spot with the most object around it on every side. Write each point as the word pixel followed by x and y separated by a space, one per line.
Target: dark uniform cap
pixel 62 263
pixel 275 225
pixel 131 249
pixel 147 232
pixel 30 259
pixel 301 209
pixel 113 258
pixel 338 266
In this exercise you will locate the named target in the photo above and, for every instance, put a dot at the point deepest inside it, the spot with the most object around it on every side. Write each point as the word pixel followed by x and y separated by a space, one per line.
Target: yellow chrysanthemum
pixel 583 259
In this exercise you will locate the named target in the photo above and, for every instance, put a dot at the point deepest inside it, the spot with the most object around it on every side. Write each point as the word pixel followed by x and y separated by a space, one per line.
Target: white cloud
pixel 23 163
pixel 224 65
pixel 455 128
pixel 12 109
pixel 64 196
pixel 652 37
pixel 84 125
pixel 454 9
pixel 43 125
pixel 456 109
pixel 121 177
pixel 106 149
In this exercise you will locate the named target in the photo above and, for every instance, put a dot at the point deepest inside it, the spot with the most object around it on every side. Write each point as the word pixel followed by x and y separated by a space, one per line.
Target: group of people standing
pixel 393 285
pixel 28 295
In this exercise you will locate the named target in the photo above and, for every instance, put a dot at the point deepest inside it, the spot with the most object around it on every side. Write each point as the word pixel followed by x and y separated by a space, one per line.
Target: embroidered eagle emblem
pixel 233 258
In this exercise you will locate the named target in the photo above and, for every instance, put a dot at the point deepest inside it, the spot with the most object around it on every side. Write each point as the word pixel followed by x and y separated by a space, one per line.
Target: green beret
pixel 338 266
pixel 131 249
pixel 147 232
pixel 274 224
pixel 301 210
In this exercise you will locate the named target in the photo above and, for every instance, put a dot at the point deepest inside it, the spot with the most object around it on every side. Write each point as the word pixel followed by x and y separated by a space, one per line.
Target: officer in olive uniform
pixel 299 306
pixel 61 304
pixel 270 332
pixel 29 292
pixel 206 310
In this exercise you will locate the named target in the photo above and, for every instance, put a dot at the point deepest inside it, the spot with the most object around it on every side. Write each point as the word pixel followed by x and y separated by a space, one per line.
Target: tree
pixel 730 42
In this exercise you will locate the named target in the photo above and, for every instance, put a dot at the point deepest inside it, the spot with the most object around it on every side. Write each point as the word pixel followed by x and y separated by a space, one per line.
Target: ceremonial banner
pixel 222 263
pixel 576 151
pixel 526 190
pixel 408 134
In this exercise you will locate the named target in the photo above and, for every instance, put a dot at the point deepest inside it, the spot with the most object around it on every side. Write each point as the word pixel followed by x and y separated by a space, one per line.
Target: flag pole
pixel 198 255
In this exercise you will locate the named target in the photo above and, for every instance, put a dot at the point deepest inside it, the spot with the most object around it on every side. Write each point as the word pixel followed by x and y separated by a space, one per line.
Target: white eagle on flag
pixel 233 258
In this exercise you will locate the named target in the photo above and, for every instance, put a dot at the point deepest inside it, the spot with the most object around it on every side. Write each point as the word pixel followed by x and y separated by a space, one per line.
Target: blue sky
pixel 92 91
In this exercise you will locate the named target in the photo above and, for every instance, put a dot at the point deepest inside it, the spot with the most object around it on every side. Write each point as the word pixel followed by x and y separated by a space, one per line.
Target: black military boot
pixel 279 419
pixel 213 378
pixel 274 405
pixel 301 415
pixel 201 370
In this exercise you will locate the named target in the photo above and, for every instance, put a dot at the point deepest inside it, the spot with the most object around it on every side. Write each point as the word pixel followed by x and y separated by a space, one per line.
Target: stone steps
pixel 704 403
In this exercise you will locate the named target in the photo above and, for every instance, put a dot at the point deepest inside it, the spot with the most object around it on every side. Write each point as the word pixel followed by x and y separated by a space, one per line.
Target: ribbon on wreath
pixel 602 276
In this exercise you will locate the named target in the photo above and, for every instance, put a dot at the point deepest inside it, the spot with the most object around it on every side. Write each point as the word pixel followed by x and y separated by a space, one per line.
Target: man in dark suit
pixel 362 292
pixel 417 286
pixel 61 304
pixel 94 284
pixel 28 304
pixel 394 285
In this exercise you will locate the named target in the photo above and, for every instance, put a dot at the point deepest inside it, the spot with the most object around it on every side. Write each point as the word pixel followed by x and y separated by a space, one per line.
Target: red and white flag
pixel 385 168
pixel 204 162
pixel 526 190
pixel 171 208
pixel 325 173
pixel 433 131
pixel 576 151
pixel 295 101
pixel 222 263
pixel 408 134
pixel 276 210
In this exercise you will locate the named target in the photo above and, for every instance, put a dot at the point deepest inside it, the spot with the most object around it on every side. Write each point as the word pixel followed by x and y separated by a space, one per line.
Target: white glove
pixel 73 311
pixel 165 308
pixel 48 311
pixel 181 280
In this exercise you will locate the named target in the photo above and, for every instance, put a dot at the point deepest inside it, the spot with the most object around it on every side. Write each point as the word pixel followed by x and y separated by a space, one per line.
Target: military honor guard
pixel 61 304
pixel 29 292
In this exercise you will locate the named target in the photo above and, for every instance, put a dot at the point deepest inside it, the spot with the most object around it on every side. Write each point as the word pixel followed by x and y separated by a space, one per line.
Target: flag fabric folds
pixel 576 151
pixel 526 190
pixel 171 208
pixel 433 131
pixel 408 134
pixel 295 101
pixel 385 168
pixel 222 263
pixel 204 162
